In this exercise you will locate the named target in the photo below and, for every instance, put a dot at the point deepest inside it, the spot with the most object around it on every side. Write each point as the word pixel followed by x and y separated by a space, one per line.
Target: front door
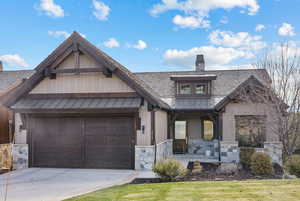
pixel 180 141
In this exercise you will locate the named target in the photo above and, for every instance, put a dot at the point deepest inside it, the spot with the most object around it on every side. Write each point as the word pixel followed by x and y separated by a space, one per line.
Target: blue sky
pixel 149 35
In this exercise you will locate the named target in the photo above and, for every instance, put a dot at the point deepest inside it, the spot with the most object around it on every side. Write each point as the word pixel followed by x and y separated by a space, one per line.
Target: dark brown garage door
pixel 66 142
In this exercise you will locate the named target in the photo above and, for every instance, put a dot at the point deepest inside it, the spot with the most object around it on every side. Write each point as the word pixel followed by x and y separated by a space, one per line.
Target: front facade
pixel 82 109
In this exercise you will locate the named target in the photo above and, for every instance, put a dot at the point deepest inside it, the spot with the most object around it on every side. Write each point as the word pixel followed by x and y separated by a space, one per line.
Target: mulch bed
pixel 209 173
pixel 2 171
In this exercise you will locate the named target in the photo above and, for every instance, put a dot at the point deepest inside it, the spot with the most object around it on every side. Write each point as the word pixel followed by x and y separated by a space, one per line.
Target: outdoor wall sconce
pixel 143 129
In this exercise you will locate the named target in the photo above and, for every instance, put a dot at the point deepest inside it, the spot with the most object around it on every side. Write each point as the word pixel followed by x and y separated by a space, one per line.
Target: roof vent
pixel 1 66
pixel 200 63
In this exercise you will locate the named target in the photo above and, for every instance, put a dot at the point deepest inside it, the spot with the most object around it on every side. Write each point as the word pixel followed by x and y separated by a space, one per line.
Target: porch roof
pixel 196 103
pixel 77 103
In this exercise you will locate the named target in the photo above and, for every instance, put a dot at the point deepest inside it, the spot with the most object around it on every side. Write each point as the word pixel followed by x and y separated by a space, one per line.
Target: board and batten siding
pixel 144 138
pixel 84 62
pixel 161 126
pixel 82 83
pixel 233 109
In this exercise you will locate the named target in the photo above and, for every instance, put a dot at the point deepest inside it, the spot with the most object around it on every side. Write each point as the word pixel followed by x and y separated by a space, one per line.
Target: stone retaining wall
pixel 205 149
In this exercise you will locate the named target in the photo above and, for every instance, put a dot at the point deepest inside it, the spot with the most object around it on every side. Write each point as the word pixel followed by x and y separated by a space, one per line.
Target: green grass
pixel 252 190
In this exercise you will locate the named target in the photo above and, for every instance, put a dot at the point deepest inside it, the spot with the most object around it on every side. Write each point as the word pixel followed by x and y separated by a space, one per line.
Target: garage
pixel 82 142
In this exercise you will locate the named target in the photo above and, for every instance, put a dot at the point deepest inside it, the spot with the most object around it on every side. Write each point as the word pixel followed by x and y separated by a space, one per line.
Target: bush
pixel 245 156
pixel 169 170
pixel 261 164
pixel 293 165
pixel 197 168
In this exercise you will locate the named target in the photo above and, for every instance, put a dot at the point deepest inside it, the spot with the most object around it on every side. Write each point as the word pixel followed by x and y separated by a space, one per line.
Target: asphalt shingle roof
pixel 226 82
pixel 9 78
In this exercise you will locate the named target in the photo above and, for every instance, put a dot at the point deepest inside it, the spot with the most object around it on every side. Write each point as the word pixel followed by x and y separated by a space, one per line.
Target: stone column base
pixel 144 157
pixel 15 156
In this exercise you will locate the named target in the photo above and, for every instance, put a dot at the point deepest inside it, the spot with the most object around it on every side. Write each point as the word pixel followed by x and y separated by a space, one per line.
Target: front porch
pixel 196 136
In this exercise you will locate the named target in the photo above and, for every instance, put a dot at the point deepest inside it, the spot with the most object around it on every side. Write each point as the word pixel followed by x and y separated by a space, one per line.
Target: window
pixel 185 89
pixel 208 130
pixel 180 129
pixel 200 89
pixel 193 88
pixel 250 130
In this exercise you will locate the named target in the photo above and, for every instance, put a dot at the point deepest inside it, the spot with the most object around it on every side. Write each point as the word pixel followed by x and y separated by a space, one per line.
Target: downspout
pixel 153 133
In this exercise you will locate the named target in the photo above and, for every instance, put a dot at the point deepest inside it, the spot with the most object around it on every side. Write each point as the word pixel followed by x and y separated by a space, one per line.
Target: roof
pixel 226 82
pixel 9 78
pixel 77 103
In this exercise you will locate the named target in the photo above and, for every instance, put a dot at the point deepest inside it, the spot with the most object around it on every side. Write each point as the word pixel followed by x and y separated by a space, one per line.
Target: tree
pixel 281 93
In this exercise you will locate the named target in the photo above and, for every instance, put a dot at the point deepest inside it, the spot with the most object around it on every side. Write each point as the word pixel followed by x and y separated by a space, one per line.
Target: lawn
pixel 253 190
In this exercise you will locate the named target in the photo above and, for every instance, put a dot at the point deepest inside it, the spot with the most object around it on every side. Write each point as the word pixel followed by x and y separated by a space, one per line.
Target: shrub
pixel 293 165
pixel 261 164
pixel 197 168
pixel 169 170
pixel 245 156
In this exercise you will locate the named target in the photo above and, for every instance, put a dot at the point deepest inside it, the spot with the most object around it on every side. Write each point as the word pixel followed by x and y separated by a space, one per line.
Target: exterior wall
pixel 229 145
pixel 20 134
pixel 82 83
pixel 143 137
pixel 233 109
pixel 161 126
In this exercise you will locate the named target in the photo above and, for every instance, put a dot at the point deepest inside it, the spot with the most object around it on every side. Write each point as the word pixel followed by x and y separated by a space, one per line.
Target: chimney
pixel 200 63
pixel 1 66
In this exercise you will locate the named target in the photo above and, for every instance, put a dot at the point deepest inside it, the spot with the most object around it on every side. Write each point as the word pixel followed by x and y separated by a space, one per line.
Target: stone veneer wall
pixel 205 149
pixel 20 156
pixel 230 152
pixel 274 149
pixel 17 155
pixel 144 155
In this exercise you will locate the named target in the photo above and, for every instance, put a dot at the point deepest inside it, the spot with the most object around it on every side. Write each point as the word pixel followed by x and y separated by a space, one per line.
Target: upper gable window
pixel 200 89
pixel 185 88
pixel 193 89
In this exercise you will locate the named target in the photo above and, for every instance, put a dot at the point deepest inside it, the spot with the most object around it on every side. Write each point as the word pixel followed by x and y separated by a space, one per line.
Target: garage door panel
pixel 98 142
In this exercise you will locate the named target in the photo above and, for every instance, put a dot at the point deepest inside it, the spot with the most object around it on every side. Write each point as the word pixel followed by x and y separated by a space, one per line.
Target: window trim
pixel 193 84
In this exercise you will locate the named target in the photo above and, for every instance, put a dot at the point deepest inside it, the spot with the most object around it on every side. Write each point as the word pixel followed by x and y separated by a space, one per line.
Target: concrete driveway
pixel 48 184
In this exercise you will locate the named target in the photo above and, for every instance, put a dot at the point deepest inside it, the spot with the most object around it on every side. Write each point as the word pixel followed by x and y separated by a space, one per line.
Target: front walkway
pixel 48 184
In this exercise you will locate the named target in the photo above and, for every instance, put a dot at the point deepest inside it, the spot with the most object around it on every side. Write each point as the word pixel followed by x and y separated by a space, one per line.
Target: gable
pixel 48 69
pixel 93 82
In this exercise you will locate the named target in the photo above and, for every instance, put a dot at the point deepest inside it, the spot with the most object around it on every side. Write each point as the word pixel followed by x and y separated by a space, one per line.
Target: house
pixel 9 80
pixel 83 109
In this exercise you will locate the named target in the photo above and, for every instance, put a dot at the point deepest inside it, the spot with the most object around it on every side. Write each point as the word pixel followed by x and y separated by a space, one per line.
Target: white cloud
pixel 224 20
pixel 286 30
pixel 140 45
pixel 58 34
pixel 111 43
pixel 190 22
pixel 65 34
pixel 13 60
pixel 213 56
pixel 101 10
pixel 51 9
pixel 203 7
pixel 259 27
pixel 241 40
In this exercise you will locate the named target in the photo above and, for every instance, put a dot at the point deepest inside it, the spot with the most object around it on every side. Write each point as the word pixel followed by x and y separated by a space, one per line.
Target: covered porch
pixel 196 136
